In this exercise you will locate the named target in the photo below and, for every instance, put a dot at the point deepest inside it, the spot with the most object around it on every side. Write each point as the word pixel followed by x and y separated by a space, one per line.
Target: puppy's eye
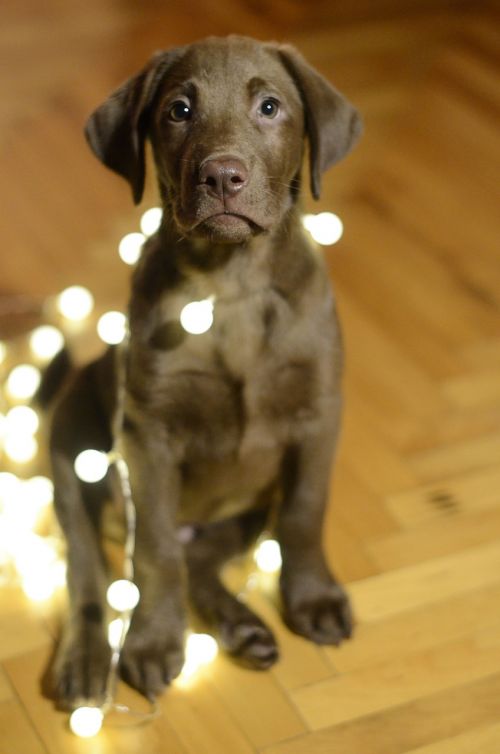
pixel 179 111
pixel 269 108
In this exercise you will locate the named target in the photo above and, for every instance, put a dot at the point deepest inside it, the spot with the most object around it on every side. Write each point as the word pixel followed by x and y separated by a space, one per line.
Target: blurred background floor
pixel 414 525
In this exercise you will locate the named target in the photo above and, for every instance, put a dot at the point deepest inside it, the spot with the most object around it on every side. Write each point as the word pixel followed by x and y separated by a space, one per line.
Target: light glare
pixel 40 490
pixel 86 722
pixel 9 483
pixel 46 341
pixel 23 381
pixel 130 247
pixel 32 554
pixel 326 228
pixel 151 220
pixel 3 351
pixel 75 303
pixel 115 633
pixel 122 595
pixel 91 465
pixel 200 650
pixel 197 317
pixel 268 556
pixel 111 327
pixel 20 448
pixel 21 420
pixel 37 587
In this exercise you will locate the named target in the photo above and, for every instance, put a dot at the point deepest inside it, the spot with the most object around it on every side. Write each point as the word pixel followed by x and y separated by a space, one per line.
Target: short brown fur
pixel 217 426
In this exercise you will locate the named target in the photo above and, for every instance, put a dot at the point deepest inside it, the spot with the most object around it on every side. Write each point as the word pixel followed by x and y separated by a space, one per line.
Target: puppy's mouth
pixel 227 226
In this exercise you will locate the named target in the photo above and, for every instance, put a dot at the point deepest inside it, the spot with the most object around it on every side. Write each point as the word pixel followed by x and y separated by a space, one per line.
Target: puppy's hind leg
pixel 242 633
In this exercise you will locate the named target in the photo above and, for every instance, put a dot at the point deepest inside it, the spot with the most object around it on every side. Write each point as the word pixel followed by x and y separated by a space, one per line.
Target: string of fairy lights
pixel 31 546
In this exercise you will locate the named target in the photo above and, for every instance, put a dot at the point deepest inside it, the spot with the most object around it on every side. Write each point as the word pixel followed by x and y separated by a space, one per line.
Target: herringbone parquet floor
pixel 414 524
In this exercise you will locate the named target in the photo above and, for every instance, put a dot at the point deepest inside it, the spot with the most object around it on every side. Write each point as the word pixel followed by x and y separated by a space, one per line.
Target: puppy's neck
pixel 280 259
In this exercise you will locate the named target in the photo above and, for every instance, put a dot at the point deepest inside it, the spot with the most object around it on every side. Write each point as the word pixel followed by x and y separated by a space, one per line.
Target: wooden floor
pixel 414 525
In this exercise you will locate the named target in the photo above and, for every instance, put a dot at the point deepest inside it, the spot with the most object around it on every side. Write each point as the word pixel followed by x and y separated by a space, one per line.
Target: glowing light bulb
pixel 20 448
pixel 24 503
pixel 75 303
pixel 91 465
pixel 3 351
pixel 202 647
pixel 268 556
pixel 46 341
pixel 111 327
pixel 115 633
pixel 9 483
pixel 326 228
pixel 37 587
pixel 197 317
pixel 86 722
pixel 130 247
pixel 33 555
pixel 122 595
pixel 21 420
pixel 40 490
pixel 151 220
pixel 23 381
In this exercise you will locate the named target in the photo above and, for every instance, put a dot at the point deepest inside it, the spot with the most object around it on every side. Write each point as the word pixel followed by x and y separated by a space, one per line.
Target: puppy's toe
pixel 80 674
pixel 150 668
pixel 326 619
pixel 251 642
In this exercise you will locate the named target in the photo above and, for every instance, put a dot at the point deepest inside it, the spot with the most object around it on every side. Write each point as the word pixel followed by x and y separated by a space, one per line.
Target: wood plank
pixel 455 458
pixel 407 725
pixel 483 353
pixel 417 630
pixel 270 717
pixel 357 508
pixel 473 390
pixel 375 462
pixel 5 687
pixel 201 720
pixel 467 493
pixel 449 534
pixel 16 733
pixel 395 682
pixel 484 740
pixel 426 583
pixel 23 627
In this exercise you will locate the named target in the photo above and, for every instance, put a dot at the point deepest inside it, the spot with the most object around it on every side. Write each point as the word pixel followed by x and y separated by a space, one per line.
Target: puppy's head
pixel 227 119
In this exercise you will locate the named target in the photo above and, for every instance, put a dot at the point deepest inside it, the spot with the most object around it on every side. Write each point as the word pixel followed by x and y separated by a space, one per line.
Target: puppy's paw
pixel 81 670
pixel 250 641
pixel 323 616
pixel 150 666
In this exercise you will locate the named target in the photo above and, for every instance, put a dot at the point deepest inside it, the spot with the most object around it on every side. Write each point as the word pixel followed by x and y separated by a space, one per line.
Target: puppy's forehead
pixel 236 62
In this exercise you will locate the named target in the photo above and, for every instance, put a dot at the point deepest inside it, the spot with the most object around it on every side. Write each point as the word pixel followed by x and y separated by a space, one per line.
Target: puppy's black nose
pixel 224 177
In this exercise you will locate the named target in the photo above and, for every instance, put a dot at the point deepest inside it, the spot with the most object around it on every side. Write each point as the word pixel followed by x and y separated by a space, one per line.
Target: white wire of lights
pixel 37 559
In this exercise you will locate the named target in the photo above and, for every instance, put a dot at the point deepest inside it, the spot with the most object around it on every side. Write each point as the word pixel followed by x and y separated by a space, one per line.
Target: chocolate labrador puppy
pixel 218 428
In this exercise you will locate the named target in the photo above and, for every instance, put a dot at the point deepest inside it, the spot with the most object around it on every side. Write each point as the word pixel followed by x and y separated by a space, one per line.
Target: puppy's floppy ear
pixel 333 125
pixel 117 130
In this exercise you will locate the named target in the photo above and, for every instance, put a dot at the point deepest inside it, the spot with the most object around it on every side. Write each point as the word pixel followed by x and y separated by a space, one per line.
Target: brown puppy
pixel 219 426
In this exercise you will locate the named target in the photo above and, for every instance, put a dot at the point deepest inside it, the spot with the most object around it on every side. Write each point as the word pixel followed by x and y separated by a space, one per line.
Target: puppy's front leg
pixel 153 651
pixel 315 604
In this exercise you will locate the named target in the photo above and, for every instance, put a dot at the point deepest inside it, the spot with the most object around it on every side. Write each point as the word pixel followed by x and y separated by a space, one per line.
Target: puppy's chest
pixel 245 336
pixel 252 379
